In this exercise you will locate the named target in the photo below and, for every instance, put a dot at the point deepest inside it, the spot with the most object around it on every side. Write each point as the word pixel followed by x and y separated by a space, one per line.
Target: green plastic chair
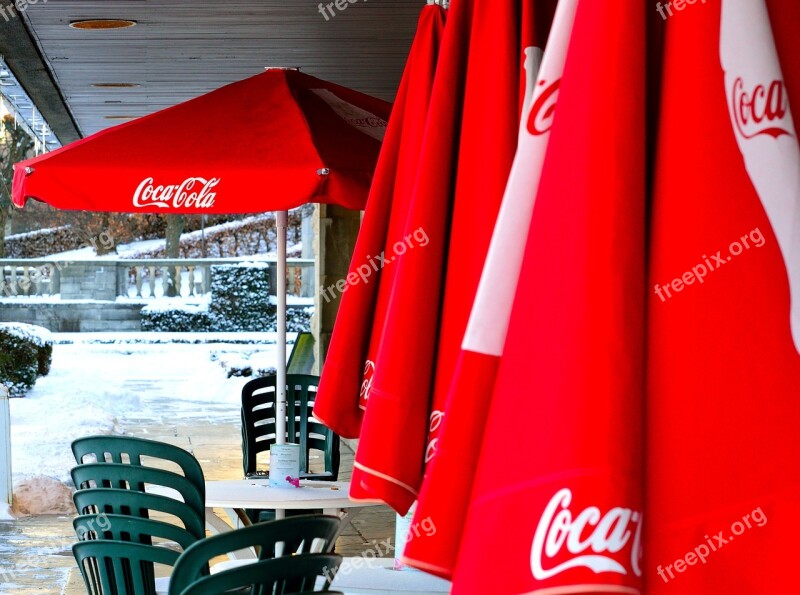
pixel 259 432
pixel 278 576
pixel 125 528
pixel 130 450
pixel 301 359
pixel 286 537
pixel 138 504
pixel 258 424
pixel 120 568
pixel 133 477
pixel 118 527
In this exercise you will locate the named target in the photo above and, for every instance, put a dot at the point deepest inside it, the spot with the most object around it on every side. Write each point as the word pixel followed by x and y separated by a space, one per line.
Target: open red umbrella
pixel 270 142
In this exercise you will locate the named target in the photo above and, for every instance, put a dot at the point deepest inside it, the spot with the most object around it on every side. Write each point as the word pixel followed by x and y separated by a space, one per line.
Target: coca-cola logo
pixel 760 110
pixel 191 193
pixel 370 122
pixel 540 118
pixel 560 535
pixel 366 382
pixel 436 420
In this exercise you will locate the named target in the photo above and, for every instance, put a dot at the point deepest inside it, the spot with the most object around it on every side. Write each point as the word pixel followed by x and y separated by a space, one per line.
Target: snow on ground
pixel 99 383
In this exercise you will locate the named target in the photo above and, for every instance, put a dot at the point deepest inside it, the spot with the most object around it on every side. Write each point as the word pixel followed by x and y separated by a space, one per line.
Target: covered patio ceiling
pixel 179 49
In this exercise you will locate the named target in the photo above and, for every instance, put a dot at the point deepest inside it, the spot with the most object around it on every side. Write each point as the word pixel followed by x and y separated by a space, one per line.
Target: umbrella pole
pixel 282 222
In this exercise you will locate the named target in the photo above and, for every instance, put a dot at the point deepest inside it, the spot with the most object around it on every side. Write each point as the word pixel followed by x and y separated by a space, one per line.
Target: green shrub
pixel 185 319
pixel 26 352
pixel 298 320
pixel 44 358
pixel 240 297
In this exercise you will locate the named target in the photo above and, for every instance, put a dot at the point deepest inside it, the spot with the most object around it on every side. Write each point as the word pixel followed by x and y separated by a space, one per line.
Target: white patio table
pixel 235 496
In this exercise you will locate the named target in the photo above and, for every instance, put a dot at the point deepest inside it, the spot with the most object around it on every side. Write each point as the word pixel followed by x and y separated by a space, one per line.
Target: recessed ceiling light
pixel 115 85
pixel 96 24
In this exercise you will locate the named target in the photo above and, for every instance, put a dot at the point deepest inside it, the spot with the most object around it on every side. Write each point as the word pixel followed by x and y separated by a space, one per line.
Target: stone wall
pixel 89 280
pixel 74 316
pixel 88 294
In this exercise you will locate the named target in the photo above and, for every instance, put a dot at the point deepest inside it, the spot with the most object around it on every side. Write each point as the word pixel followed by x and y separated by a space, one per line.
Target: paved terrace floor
pixel 35 556
pixel 35 550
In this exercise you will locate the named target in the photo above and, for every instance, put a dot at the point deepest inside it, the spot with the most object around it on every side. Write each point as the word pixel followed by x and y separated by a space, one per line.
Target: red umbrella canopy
pixel 270 142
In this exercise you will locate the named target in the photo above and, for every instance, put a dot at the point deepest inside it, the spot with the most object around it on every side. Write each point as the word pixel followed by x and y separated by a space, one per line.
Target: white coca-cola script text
pixel 559 530
pixel 191 193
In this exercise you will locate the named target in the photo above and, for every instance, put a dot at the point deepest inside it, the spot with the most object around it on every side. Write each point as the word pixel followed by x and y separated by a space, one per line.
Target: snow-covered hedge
pixel 26 352
pixel 298 320
pixel 177 319
pixel 243 237
pixel 240 302
pixel 240 297
pixel 35 244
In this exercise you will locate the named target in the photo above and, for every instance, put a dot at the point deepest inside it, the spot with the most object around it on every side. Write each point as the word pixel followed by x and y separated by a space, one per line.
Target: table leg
pixel 347 515
pixel 217 525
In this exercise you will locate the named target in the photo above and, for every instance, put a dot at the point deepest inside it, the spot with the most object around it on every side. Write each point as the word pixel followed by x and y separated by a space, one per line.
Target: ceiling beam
pixel 23 58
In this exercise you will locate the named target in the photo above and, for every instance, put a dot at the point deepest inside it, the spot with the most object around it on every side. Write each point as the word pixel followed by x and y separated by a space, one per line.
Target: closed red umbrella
pixel 723 460
pixel 430 149
pixel 556 505
pixel 451 462
pixel 469 146
pixel 341 398
pixel 393 429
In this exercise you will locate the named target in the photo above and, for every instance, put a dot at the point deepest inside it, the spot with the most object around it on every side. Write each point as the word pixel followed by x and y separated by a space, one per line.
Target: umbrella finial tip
pixel 324 171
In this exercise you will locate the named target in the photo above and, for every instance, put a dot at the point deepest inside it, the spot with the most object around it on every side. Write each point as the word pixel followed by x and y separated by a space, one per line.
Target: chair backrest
pixel 293 535
pixel 258 423
pixel 118 527
pixel 130 450
pixel 138 504
pixel 118 567
pixel 133 477
pixel 301 359
pixel 278 576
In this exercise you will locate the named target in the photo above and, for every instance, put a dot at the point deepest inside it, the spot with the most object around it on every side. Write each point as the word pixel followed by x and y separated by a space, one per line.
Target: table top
pixel 256 493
